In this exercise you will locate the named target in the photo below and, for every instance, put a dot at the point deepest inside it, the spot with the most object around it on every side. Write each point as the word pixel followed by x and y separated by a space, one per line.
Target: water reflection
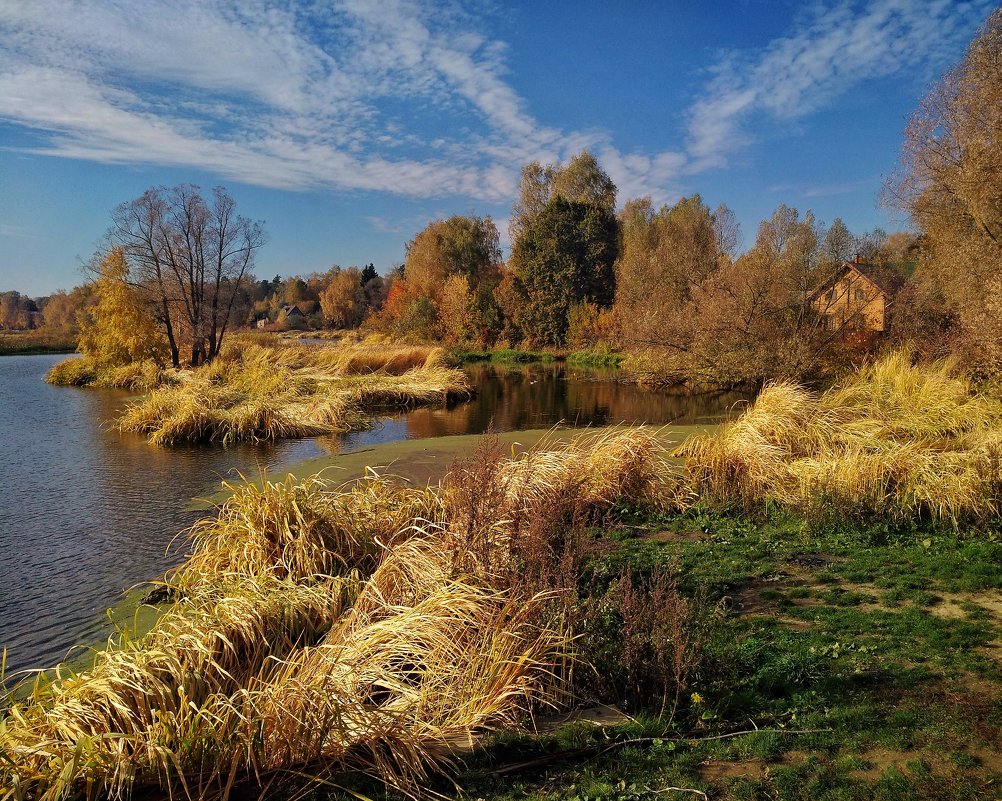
pixel 85 511
pixel 542 396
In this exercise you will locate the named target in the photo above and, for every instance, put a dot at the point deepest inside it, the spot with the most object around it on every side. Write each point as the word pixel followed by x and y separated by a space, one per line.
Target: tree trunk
pixel 175 353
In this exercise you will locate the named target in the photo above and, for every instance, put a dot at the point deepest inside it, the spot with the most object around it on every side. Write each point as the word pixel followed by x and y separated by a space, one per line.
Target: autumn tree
pixel 61 309
pixel 117 329
pixel 581 180
pixel 460 247
pixel 192 256
pixel 376 290
pixel 455 309
pixel 342 301
pixel 16 310
pixel 664 255
pixel 839 244
pixel 950 182
pixel 468 246
pixel 753 318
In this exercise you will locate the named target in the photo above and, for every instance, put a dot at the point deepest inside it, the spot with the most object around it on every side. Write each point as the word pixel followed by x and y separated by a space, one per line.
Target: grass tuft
pixel 894 439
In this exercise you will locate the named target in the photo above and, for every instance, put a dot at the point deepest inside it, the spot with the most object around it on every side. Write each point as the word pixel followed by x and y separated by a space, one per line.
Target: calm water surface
pixel 87 512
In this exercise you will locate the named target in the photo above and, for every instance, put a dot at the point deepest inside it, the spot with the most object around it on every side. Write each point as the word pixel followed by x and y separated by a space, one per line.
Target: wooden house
pixel 852 300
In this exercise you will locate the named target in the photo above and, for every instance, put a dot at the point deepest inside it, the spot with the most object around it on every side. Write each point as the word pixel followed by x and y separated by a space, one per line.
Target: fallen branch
pixel 692 790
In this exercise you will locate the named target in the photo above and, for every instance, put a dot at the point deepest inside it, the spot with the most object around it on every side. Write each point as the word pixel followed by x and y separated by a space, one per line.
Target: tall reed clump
pixel 254 392
pixel 316 630
pixel 527 506
pixel 895 439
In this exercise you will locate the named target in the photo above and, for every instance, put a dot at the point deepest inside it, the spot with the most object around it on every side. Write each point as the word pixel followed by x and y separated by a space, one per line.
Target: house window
pixel 830 322
pixel 860 293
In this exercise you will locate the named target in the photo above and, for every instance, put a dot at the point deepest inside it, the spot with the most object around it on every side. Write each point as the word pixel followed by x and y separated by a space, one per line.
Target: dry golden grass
pixel 83 372
pixel 598 470
pixel 299 529
pixel 256 392
pixel 319 629
pixel 893 439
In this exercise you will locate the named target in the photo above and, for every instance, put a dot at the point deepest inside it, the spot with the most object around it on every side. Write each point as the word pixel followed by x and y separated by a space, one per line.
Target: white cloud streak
pixel 834 50
pixel 317 95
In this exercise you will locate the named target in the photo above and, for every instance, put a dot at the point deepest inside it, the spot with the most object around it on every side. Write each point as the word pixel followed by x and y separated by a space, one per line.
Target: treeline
pixel 666 284
pixel 55 312
pixel 670 286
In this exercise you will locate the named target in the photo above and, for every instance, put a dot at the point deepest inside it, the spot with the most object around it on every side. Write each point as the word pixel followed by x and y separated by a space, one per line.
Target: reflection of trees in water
pixel 540 396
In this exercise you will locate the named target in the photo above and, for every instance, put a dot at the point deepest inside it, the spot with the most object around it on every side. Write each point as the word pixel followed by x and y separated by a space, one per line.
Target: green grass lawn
pixel 869 661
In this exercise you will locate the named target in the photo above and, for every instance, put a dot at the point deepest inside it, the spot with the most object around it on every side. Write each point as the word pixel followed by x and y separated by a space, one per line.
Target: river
pixel 87 512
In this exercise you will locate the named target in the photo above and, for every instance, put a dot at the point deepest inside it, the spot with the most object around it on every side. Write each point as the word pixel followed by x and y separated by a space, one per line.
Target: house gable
pixel 851 299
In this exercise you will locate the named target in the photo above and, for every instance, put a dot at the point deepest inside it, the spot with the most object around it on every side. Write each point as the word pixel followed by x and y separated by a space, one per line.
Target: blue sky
pixel 346 126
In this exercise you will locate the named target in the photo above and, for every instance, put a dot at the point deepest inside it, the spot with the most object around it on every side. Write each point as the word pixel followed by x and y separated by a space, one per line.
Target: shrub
pixel 75 372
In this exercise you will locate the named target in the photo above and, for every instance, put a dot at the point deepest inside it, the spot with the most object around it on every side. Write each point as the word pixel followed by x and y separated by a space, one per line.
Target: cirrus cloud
pixel 398 96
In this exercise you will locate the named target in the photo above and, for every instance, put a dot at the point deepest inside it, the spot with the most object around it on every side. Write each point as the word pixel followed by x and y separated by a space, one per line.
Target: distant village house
pixel 852 300
pixel 291 315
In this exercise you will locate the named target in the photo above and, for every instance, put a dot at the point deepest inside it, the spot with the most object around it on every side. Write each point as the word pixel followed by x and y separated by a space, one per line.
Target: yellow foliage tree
pixel 342 301
pixel 950 182
pixel 118 329
pixel 455 311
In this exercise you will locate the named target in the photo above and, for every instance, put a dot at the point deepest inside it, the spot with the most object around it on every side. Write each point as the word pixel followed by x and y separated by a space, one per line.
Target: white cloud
pixel 319 95
pixel 828 54
pixel 17 231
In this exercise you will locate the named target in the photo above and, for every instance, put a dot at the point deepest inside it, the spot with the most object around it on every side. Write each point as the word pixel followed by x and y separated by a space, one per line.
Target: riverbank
pixel 291 581
pixel 23 343
pixel 849 662
pixel 757 628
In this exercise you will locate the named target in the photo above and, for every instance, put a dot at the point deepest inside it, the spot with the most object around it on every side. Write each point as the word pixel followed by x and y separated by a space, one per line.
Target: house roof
pixel 847 267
